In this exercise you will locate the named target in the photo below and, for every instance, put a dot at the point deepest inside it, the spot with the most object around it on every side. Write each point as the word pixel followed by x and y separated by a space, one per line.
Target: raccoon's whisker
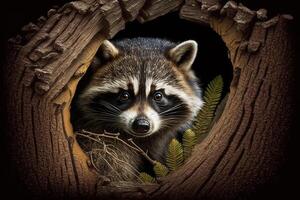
pixel 104 114
pixel 173 118
pixel 166 126
pixel 106 110
pixel 173 114
pixel 169 126
pixel 99 118
pixel 109 105
pixel 172 108
pixel 97 123
pixel 170 121
pixel 177 106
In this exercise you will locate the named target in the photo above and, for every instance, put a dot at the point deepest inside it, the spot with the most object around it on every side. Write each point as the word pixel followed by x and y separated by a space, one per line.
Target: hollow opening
pixel 212 57
pixel 211 60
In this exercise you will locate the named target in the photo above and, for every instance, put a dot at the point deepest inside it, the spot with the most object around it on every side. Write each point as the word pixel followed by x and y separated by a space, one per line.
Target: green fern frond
pixel 174 155
pixel 212 96
pixel 160 170
pixel 146 178
pixel 188 141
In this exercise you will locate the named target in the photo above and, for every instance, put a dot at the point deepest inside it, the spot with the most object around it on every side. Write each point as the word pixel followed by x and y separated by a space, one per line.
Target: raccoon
pixel 144 89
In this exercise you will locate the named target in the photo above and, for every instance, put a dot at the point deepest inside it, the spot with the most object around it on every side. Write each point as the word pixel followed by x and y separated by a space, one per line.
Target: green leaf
pixel 212 96
pixel 174 155
pixel 160 169
pixel 188 140
pixel 146 178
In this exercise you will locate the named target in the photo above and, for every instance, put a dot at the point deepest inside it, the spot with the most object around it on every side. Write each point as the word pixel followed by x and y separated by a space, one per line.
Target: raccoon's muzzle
pixel 141 125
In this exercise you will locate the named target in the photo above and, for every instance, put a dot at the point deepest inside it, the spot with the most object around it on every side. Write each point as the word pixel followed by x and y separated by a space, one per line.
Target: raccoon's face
pixel 142 90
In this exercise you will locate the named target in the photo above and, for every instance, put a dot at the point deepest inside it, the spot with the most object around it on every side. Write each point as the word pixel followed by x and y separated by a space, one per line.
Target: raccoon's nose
pixel 141 125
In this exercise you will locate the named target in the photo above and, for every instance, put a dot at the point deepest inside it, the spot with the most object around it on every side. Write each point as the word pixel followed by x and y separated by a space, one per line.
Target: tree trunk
pixel 245 147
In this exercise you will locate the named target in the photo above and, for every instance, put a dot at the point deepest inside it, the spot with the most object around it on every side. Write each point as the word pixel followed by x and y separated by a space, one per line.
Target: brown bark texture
pixel 245 147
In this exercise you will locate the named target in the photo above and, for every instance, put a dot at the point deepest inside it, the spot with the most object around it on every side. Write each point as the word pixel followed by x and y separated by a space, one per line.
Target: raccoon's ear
pixel 107 51
pixel 184 54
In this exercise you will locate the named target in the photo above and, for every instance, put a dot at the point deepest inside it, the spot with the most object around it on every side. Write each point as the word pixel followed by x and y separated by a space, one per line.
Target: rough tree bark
pixel 245 147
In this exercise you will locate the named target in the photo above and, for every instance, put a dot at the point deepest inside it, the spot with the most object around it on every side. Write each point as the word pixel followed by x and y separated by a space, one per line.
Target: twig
pixel 128 164
pixel 115 136
pixel 112 168
pixel 114 155
pixel 111 134
pixel 153 162
pixel 92 162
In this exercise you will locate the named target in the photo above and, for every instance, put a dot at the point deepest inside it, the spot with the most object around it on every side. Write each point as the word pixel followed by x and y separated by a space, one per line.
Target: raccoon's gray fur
pixel 144 89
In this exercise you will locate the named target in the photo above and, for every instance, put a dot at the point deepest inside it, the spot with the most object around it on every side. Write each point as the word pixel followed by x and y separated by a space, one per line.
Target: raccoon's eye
pixel 157 96
pixel 124 96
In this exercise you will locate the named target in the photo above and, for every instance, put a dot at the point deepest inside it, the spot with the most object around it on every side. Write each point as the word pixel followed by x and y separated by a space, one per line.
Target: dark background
pixel 211 61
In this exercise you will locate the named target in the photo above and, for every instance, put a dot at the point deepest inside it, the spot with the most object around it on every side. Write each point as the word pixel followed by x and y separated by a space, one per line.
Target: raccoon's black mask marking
pixel 169 105
pixel 108 106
